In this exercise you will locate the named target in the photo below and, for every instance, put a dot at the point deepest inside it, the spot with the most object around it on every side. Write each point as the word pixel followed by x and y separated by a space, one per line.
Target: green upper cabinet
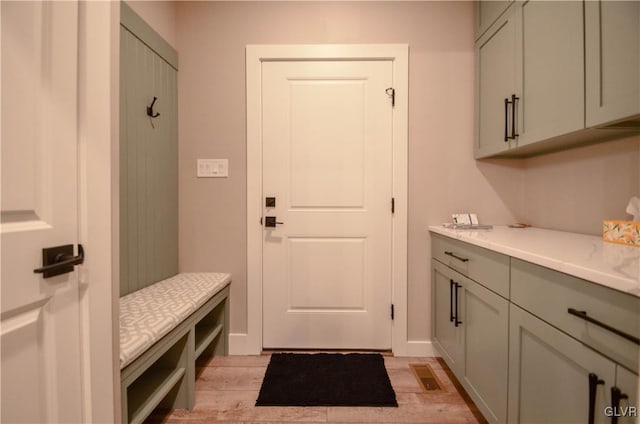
pixel 530 76
pixel 556 74
pixel 495 82
pixel 612 35
pixel 487 12
pixel 550 70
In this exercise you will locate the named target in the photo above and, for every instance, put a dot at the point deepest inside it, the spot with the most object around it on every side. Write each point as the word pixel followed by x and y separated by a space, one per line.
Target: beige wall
pixel 443 177
pixel 576 189
pixel 160 15
pixel 564 190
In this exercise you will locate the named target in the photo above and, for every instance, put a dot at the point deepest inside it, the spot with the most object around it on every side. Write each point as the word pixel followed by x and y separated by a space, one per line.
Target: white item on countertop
pixel 633 208
pixel 465 218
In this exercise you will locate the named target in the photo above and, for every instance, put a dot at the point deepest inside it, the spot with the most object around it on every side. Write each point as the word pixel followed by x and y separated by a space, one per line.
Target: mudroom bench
pixel 164 329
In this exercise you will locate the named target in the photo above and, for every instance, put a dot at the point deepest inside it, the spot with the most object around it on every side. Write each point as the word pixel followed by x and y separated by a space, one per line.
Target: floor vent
pixel 426 377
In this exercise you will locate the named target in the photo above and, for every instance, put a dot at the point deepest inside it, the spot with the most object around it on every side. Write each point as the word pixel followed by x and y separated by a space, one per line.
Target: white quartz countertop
pixel 587 257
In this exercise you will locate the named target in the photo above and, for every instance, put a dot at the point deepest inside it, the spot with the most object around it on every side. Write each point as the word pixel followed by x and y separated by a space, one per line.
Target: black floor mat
pixel 326 379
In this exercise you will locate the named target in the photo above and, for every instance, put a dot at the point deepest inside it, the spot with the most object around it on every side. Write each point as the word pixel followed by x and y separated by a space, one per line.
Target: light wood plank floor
pixel 227 388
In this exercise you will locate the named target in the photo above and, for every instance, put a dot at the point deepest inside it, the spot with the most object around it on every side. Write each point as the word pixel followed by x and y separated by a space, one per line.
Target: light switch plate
pixel 213 168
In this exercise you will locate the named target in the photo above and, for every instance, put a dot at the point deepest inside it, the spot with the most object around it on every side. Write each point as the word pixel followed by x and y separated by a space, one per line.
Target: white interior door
pixel 40 334
pixel 327 161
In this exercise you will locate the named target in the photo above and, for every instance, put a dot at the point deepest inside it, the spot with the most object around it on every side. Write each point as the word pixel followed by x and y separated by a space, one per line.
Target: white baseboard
pixel 239 345
pixel 420 348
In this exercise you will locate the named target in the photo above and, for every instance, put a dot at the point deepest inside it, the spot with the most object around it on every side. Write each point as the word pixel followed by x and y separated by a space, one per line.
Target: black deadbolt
pixel 270 202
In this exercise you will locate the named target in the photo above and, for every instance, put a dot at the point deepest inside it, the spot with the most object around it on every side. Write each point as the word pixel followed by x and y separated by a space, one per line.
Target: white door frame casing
pixel 398 54
pixel 98 91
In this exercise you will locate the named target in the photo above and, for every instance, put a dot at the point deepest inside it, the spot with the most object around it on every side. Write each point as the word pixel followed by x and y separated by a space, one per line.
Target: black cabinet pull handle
pixel 453 255
pixel 583 315
pixel 451 283
pixel 457 321
pixel 616 397
pixel 594 381
pixel 514 103
pixel 506 120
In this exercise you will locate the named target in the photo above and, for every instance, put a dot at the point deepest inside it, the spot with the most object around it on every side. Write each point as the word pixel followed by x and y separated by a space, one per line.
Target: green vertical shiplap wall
pixel 148 157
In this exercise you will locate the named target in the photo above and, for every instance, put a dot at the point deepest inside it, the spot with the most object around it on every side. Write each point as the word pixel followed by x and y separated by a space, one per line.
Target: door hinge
pixel 392 312
pixel 393 205
pixel 391 92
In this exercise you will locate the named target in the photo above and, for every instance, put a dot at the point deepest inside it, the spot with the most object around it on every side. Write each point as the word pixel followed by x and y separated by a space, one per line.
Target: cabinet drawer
pixel 549 294
pixel 491 269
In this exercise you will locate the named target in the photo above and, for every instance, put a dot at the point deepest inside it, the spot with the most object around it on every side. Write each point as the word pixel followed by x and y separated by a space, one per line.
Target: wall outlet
pixel 213 168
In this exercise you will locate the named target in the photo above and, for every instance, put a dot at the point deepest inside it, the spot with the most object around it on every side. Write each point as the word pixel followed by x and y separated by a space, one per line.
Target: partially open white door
pixel 41 362
pixel 327 164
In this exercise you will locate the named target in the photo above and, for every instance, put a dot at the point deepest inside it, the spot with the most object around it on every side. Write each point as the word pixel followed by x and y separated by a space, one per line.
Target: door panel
pixel 41 378
pixel 313 260
pixel 327 161
pixel 327 144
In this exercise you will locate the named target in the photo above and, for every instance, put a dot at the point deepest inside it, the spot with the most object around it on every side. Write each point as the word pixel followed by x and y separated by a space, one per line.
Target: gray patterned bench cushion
pixel 149 314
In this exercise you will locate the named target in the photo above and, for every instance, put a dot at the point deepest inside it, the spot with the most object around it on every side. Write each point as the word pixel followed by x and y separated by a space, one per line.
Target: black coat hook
pixel 150 109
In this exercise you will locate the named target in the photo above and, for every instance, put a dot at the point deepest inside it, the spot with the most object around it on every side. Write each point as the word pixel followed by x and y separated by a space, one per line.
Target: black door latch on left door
pixel 59 260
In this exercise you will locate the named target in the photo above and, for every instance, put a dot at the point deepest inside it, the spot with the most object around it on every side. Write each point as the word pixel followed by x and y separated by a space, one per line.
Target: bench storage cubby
pixel 164 329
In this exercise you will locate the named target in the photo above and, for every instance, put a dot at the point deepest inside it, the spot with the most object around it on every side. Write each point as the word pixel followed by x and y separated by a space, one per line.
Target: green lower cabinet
pixel 446 335
pixel 626 410
pixel 476 349
pixel 520 353
pixel 549 375
pixel 485 318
